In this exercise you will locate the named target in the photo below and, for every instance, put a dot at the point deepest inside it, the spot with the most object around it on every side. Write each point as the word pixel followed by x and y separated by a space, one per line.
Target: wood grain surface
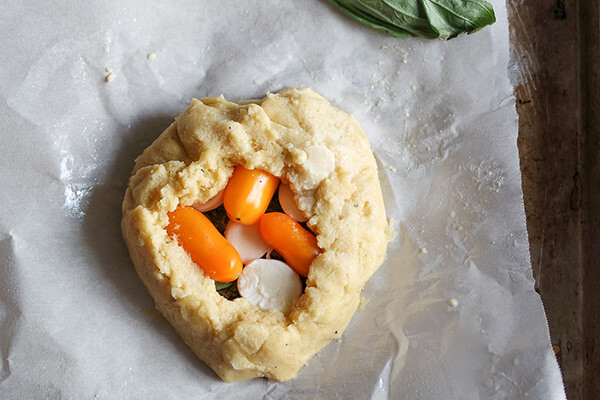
pixel 556 70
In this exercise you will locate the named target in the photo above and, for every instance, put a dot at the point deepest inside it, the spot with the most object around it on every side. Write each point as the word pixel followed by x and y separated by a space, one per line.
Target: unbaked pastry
pixel 325 157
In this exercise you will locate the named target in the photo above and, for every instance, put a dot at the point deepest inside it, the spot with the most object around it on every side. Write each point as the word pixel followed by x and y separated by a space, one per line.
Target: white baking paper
pixel 451 314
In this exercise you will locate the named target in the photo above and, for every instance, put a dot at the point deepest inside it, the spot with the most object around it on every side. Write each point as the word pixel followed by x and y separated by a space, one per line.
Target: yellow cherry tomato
pixel 295 244
pixel 248 194
pixel 205 245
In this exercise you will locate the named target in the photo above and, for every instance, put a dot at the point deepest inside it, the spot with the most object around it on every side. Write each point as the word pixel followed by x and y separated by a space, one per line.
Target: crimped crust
pixel 192 160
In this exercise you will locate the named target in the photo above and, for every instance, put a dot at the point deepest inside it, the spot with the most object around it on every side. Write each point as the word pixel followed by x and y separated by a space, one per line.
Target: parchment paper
pixel 452 313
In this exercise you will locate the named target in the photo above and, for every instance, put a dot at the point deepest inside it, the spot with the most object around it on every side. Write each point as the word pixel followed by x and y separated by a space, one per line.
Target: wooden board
pixel 557 64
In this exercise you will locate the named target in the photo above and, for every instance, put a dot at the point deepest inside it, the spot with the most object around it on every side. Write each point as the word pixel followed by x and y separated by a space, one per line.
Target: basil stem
pixel 430 19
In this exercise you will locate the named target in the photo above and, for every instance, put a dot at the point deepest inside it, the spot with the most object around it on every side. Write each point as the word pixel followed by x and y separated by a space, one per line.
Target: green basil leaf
pixel 222 285
pixel 429 19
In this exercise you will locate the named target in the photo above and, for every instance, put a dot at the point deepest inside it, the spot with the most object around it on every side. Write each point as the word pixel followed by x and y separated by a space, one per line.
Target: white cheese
pixel 288 203
pixel 269 284
pixel 247 240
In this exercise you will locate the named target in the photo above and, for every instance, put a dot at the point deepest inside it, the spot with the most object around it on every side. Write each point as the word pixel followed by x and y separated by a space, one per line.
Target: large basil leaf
pixel 430 19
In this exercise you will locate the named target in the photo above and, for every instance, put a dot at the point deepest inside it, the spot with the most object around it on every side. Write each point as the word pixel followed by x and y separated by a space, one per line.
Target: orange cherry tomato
pixel 205 245
pixel 295 244
pixel 248 194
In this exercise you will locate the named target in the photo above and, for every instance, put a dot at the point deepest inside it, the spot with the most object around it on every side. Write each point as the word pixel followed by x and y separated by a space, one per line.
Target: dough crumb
pixel 108 69
pixel 389 230
pixel 257 82
pixel 110 77
pixel 453 302
pixel 362 303
pixel 151 56
pixel 423 250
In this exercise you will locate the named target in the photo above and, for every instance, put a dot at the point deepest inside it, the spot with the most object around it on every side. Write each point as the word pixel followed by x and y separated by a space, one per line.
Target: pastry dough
pixel 325 157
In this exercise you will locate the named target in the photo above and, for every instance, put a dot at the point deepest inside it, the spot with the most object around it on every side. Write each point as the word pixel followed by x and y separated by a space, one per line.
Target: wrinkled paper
pixel 451 314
